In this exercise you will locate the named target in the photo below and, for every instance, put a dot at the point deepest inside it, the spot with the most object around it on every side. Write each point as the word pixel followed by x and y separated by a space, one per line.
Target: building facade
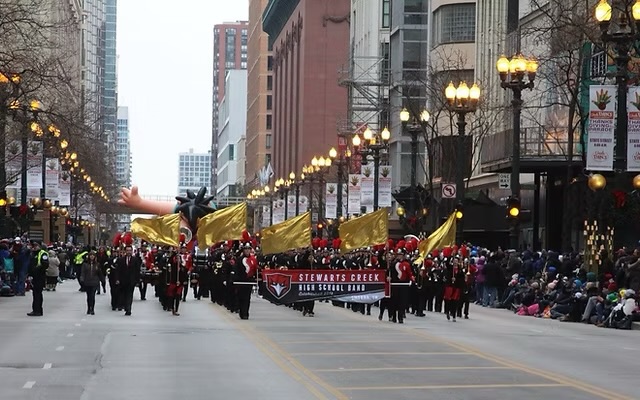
pixel 229 52
pixel 194 171
pixel 310 42
pixel 93 63
pixel 259 140
pixel 123 149
pixel 231 135
pixel 109 94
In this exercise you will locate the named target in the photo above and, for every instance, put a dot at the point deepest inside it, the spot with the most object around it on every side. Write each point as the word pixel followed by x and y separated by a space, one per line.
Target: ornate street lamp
pixel 461 100
pixel 373 145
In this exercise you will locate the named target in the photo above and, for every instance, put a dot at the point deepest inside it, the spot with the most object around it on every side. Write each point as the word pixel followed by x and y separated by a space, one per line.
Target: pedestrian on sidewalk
pixel 90 277
pixel 53 271
pixel 38 274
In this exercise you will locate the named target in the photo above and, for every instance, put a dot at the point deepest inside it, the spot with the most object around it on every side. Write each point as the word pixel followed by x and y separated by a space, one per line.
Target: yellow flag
pixel 164 230
pixel 293 233
pixel 444 236
pixel 368 230
pixel 225 224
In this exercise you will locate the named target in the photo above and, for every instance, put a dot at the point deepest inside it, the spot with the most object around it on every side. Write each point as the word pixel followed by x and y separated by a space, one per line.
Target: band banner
pixel 292 286
pixel 601 128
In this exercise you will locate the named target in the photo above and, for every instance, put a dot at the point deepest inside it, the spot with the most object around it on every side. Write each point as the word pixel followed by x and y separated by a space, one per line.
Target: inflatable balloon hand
pixel 131 198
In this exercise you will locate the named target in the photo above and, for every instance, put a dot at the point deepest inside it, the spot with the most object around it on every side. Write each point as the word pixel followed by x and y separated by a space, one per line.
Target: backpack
pixel 8 265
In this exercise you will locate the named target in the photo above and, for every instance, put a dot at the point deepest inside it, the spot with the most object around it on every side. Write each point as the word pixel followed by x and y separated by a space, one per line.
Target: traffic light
pixel 513 207
pixel 459 211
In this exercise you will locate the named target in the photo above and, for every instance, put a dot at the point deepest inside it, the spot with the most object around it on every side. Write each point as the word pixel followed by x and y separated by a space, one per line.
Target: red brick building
pixel 310 44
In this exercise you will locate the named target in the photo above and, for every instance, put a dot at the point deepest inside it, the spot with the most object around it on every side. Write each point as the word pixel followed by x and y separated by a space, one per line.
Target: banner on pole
pixel 51 190
pixel 13 164
pixel 34 165
pixel 331 201
pixel 354 194
pixel 64 189
pixel 291 286
pixel 384 186
pixel 633 129
pixel 601 129
pixel 366 186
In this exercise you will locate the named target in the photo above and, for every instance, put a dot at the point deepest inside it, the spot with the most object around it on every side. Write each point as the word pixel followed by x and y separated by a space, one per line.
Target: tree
pixel 448 65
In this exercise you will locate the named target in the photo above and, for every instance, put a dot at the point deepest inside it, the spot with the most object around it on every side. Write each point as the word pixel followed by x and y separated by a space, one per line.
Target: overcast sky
pixel 165 77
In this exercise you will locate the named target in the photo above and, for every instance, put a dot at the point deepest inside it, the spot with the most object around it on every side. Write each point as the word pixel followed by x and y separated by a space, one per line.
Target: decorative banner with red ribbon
pixel 292 286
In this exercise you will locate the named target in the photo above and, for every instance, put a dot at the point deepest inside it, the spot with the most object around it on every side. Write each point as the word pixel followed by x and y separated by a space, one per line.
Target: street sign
pixel 504 181
pixel 448 190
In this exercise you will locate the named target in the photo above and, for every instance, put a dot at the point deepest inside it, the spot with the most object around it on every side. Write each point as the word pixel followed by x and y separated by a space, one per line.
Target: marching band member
pixel 244 277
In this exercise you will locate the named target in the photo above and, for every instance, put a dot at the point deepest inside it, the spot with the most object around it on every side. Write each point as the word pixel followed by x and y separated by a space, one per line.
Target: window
pixel 232 151
pixel 270 63
pixel 267 141
pixel 454 23
pixel 267 159
pixel 270 82
pixel 386 13
pixel 269 121
pixel 269 102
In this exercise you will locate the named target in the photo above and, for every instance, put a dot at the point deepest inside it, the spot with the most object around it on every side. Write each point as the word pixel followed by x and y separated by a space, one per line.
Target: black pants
pixel 244 299
pixel 175 304
pixel 143 290
pixel 399 301
pixel 36 305
pixel 463 304
pixel 385 304
pixel 91 296
pixel 185 290
pixel 126 293
pixel 308 306
pixel 115 295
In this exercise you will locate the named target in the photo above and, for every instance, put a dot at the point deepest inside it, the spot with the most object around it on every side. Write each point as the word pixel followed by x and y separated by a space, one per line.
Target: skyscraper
pixel 93 63
pixel 259 96
pixel 123 160
pixel 123 149
pixel 194 171
pixel 229 52
pixel 109 103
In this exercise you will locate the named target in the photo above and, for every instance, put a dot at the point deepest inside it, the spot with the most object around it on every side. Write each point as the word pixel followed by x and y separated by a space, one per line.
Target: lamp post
pixel 341 160
pixel 414 129
pixel 297 184
pixel 267 191
pixel 623 37
pixel 516 74
pixel 373 145
pixel 462 100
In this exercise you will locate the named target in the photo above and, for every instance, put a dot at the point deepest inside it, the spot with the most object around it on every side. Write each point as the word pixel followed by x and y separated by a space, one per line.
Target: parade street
pixel 278 354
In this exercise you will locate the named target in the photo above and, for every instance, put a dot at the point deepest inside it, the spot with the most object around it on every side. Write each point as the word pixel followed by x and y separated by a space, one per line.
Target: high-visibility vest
pixel 79 258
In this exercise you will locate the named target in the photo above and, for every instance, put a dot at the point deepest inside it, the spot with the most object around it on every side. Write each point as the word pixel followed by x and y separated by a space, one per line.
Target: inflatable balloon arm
pixel 130 198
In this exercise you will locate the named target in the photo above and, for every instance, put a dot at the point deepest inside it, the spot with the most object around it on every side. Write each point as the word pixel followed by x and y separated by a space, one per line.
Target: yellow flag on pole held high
pixel 368 230
pixel 444 236
pixel 163 230
pixel 224 224
pixel 293 233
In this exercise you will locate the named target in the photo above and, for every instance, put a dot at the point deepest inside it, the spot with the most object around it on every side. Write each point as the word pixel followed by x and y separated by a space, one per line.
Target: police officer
pixel 37 270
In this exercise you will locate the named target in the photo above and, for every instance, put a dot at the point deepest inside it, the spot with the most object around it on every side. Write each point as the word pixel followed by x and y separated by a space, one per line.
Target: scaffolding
pixel 367 81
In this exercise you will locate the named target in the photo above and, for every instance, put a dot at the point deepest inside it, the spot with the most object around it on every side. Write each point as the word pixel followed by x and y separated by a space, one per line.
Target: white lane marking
pixel 29 384
pixel 536 331
pixel 47 366
pixel 83 319
pixel 629 348
pixel 78 324
pixel 69 334
pixel 59 348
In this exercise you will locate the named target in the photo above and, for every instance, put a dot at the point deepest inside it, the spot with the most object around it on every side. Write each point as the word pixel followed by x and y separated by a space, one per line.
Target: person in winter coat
pixel 90 278
pixel 53 271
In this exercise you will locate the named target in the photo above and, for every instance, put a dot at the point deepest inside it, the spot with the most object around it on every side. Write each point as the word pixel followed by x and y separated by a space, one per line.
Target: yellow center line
pixel 273 351
pixel 559 379
pixel 403 369
pixel 436 387
pixel 392 353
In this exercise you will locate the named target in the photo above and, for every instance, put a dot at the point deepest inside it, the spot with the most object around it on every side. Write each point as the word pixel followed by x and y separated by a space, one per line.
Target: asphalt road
pixel 278 354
